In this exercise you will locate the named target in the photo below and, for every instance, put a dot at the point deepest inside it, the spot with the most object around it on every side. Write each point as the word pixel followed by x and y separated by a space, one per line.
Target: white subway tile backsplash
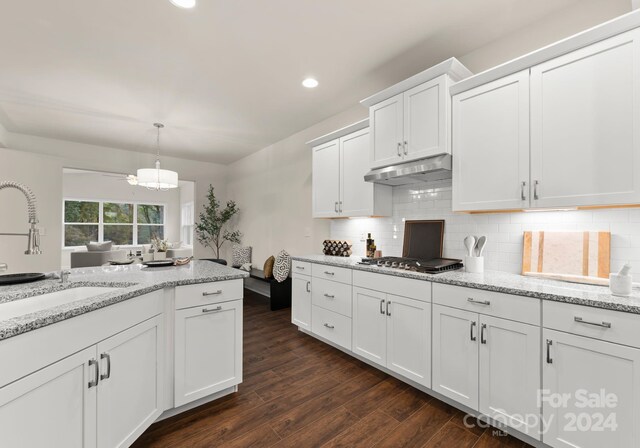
pixel 432 200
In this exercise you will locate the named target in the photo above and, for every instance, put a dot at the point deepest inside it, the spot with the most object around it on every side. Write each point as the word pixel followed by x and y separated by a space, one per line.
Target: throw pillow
pixel 241 255
pixel 268 267
pixel 246 267
pixel 99 247
pixel 282 266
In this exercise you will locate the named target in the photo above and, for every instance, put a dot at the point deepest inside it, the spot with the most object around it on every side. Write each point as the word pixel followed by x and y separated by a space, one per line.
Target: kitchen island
pixel 95 360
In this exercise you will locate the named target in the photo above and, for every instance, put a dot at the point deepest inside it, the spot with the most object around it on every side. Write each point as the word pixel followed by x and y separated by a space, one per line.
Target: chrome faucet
pixel 33 235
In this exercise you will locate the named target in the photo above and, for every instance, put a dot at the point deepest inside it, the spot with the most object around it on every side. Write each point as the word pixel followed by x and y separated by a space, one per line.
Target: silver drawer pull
pixel 329 273
pixel 329 296
pixel 479 302
pixel 331 327
pixel 205 294
pixel 601 324
pixel 300 267
pixel 211 310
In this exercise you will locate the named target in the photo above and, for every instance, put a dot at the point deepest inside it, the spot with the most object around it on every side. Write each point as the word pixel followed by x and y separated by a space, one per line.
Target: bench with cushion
pixel 278 292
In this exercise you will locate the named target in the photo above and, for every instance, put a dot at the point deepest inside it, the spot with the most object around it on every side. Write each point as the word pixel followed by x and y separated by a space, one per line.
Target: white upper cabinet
pixel 326 179
pixel 411 119
pixel 386 120
pixel 339 166
pixel 585 126
pixel 491 145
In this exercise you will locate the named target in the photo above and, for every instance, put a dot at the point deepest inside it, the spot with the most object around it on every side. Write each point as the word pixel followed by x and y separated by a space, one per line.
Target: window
pixel 187 224
pixel 120 222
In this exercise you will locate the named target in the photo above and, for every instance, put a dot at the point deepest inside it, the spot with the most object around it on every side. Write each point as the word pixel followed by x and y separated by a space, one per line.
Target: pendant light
pixel 156 178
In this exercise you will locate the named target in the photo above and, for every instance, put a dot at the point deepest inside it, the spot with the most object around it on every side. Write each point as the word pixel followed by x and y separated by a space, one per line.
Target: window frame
pixel 101 222
pixel 187 227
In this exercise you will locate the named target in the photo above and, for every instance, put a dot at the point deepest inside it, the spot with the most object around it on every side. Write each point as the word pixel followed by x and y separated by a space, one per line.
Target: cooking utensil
pixel 482 241
pixel 470 244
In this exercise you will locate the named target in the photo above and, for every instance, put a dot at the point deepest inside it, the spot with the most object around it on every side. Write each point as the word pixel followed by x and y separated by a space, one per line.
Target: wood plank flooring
pixel 299 392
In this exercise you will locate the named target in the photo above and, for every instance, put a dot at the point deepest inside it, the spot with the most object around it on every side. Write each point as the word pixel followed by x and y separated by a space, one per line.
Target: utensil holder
pixel 474 265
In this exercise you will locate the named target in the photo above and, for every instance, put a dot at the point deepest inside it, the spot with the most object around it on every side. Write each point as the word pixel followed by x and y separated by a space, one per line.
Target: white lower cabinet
pixel 455 354
pixel 131 366
pixel 208 350
pixel 592 392
pixel 60 406
pixel 301 301
pixel 104 396
pixel 394 332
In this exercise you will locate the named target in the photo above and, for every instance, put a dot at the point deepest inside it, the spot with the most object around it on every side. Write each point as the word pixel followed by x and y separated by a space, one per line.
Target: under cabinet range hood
pixel 431 168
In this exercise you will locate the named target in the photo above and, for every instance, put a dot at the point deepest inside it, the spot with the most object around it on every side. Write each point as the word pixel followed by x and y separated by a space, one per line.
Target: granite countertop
pixel 579 294
pixel 131 281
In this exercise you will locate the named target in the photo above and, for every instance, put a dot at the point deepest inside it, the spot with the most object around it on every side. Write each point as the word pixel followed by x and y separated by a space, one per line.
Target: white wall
pixel 38 162
pixel 432 200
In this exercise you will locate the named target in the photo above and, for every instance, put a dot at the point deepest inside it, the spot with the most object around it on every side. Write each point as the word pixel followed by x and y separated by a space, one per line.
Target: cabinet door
pixel 585 125
pixel 53 407
pixel 425 119
pixel 370 325
pixel 326 179
pixel 409 338
pixel 130 393
pixel 208 350
pixel 491 145
pixel 301 301
pixel 356 195
pixel 385 120
pixel 510 373
pixel 582 368
pixel 455 354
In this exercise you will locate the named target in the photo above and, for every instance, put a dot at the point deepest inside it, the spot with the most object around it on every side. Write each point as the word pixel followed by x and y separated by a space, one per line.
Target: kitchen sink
pixel 34 304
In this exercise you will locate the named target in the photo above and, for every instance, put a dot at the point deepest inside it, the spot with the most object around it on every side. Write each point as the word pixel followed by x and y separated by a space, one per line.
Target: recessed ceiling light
pixel 310 83
pixel 184 3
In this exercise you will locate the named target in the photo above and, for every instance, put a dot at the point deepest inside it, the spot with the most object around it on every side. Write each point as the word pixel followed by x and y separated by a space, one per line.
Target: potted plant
pixel 210 229
pixel 160 247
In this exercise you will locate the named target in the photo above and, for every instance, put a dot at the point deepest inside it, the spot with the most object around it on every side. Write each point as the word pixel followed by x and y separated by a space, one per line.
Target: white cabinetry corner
pixel 338 169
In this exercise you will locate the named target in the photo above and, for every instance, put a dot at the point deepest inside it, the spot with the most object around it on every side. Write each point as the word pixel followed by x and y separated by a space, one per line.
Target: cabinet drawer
pixel 507 306
pixel 598 323
pixel 332 296
pixel 331 326
pixel 399 286
pixel 300 267
pixel 341 275
pixel 205 293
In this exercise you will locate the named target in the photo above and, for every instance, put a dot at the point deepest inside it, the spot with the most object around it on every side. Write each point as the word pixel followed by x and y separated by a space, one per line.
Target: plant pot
pixel 158 256
pixel 216 260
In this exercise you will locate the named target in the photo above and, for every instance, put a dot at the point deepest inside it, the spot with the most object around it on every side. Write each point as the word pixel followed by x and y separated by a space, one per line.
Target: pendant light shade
pixel 157 178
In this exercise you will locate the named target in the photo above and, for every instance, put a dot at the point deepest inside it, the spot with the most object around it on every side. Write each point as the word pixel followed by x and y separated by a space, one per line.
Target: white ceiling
pixel 224 77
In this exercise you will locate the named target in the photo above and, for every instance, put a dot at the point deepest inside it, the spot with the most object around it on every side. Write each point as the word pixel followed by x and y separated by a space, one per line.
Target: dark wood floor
pixel 299 392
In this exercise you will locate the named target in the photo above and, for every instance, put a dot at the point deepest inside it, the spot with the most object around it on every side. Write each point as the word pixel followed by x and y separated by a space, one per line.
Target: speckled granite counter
pixel 594 296
pixel 132 281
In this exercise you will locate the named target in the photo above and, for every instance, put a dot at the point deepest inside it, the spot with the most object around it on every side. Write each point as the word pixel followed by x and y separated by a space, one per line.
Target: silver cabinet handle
pixel 335 207
pixel 601 324
pixel 523 196
pixel 211 310
pixel 214 293
pixel 96 378
pixel 406 148
pixel 482 338
pixel 331 327
pixel 535 190
pixel 479 302
pixel 549 343
pixel 381 304
pixel 308 286
pixel 108 374
pixel 329 273
pixel 388 312
pixel 399 149
pixel 300 267
pixel 473 325
pixel 329 296
pixel 340 206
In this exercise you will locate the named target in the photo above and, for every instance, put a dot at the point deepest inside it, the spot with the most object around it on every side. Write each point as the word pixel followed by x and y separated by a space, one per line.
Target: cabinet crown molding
pixel 353 127
pixel 452 67
pixel 590 36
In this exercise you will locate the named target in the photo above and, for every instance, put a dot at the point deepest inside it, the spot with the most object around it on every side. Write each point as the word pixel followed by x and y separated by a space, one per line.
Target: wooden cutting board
pixel 582 257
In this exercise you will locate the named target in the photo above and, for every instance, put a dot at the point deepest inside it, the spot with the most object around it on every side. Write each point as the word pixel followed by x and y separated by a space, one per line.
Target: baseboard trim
pixel 194 404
